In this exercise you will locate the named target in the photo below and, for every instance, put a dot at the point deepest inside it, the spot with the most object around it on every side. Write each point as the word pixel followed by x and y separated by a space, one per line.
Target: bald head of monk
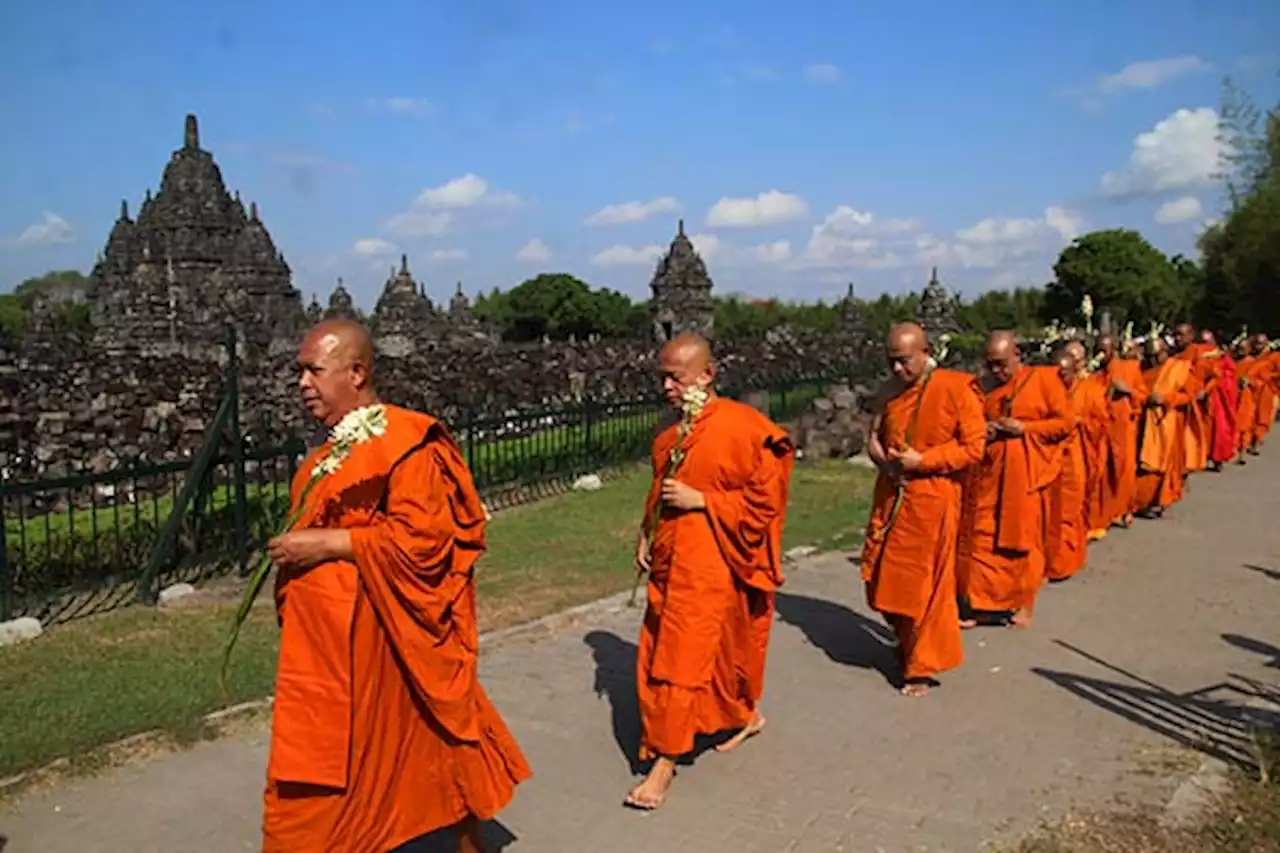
pixel 1260 343
pixel 1208 337
pixel 335 370
pixel 1066 365
pixel 1003 358
pixel 685 362
pixel 1105 347
pixel 1157 349
pixel 1079 355
pixel 1185 335
pixel 907 349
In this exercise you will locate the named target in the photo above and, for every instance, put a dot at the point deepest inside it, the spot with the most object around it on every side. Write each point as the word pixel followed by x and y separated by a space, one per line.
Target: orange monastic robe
pixel 713 577
pixel 1198 432
pixel 1006 501
pixel 909 561
pixel 1249 372
pixel 1268 395
pixel 381 732
pixel 1093 423
pixel 1068 527
pixel 1122 437
pixel 1161 454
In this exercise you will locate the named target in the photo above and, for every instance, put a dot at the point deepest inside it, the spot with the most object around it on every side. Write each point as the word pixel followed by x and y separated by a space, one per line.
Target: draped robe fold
pixel 1093 416
pixel 1162 454
pixel 1223 405
pixel 1198 428
pixel 1122 437
pixel 713 578
pixel 1006 498
pixel 1268 395
pixel 909 560
pixel 381 732
pixel 1249 372
pixel 1068 528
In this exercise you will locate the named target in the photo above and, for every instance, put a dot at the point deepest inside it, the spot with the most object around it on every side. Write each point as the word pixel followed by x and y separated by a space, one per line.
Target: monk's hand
pixel 681 496
pixel 1155 399
pixel 906 460
pixel 302 549
pixel 1010 426
pixel 642 553
pixel 1121 388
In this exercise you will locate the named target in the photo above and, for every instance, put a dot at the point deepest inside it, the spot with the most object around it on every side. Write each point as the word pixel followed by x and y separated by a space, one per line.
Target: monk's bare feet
pixel 1127 521
pixel 916 687
pixel 752 729
pixel 1020 619
pixel 652 792
pixel 966 624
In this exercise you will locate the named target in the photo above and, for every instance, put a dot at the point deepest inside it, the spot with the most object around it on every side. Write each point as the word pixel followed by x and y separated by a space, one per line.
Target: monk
pixel 1204 378
pixel 928 430
pixel 381 733
pixel 1222 405
pixel 1003 538
pixel 1088 396
pixel 1268 379
pixel 1126 394
pixel 714 566
pixel 1069 526
pixel 1161 454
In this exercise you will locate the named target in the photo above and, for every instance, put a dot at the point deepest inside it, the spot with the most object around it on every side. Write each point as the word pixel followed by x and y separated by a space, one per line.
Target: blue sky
pixel 806 144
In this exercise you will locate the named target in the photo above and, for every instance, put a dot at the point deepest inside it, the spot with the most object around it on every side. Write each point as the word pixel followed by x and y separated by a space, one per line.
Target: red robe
pixel 1223 404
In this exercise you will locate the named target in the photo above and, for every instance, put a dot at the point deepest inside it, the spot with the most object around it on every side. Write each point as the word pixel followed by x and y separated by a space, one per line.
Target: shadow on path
pixel 1273 574
pixel 1220 720
pixel 496 838
pixel 845 637
pixel 615 660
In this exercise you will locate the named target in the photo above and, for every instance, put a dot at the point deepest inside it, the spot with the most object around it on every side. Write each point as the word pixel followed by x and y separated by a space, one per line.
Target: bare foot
pixel 1095 535
pixel 652 792
pixel 1127 521
pixel 752 729
pixel 1021 619
pixel 966 624
pixel 915 689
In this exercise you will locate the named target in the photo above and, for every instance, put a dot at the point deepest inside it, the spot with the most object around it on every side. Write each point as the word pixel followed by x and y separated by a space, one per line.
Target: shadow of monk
pixel 615 660
pixel 845 637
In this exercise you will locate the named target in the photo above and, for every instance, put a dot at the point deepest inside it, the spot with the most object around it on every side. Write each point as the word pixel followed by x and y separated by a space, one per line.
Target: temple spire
pixel 124 208
pixel 191 133
pixel 680 228
pixel 404 264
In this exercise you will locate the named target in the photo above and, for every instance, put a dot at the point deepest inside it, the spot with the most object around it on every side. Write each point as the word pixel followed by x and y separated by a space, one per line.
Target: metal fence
pixel 82 544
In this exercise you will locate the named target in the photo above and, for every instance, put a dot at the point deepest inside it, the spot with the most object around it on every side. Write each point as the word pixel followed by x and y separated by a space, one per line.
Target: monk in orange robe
pixel 1006 501
pixel 929 428
pixel 1088 397
pixel 714 564
pixel 1126 395
pixel 381 733
pixel 1249 371
pixel 1268 388
pixel 1204 378
pixel 1161 454
pixel 1222 404
pixel 1069 526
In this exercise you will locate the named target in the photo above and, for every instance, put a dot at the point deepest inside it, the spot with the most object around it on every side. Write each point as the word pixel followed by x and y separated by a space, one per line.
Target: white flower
pixel 694 399
pixel 328 464
pixel 1086 307
pixel 357 427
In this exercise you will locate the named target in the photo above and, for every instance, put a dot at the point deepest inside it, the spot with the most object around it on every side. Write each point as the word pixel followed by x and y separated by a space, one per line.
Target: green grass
pixel 108 677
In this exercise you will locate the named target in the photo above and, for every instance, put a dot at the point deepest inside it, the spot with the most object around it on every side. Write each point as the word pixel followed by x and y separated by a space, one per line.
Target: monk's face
pixel 1076 352
pixel 1067 370
pixel 1107 349
pixel 683 367
pixel 907 358
pixel 1002 362
pixel 330 378
pixel 1186 336
pixel 1206 337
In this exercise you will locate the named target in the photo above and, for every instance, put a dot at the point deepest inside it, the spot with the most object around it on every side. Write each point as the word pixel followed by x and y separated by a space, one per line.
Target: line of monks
pixel 383 739
pixel 991 486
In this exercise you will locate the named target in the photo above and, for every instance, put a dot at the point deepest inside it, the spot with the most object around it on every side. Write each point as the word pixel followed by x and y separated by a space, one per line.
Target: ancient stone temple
pixel 681 292
pixel 403 314
pixel 937 310
pixel 341 304
pixel 852 324
pixel 193 261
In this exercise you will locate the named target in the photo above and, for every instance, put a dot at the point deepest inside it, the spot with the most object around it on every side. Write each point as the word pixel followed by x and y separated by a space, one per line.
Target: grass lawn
pixel 107 677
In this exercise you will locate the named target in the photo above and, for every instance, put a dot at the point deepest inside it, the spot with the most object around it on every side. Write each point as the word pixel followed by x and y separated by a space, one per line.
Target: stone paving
pixel 1161 642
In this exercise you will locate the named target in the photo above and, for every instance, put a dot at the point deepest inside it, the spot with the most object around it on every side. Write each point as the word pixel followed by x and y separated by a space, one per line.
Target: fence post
pixel 6 581
pixel 587 444
pixel 470 421
pixel 240 517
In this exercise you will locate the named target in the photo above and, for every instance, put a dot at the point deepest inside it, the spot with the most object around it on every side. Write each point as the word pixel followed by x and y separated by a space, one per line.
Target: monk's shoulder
pixel 746 418
pixel 957 383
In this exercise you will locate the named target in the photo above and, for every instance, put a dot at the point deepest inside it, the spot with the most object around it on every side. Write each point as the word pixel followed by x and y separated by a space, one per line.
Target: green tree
pixel 1121 272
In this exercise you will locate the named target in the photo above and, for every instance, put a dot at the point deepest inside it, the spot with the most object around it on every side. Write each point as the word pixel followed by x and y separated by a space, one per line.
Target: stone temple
pixel 192 262
pixel 681 292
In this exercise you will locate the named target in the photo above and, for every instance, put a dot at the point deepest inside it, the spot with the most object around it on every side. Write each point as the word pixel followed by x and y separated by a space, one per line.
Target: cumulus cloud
pixel 418 223
pixel 1150 73
pixel 767 208
pixel 465 192
pixel 444 256
pixel 772 253
pixel 618 256
pixel 848 236
pixel 822 73
pixel 632 211
pixel 51 230
pixel 373 247
pixel 1180 152
pixel 1179 210
pixel 534 252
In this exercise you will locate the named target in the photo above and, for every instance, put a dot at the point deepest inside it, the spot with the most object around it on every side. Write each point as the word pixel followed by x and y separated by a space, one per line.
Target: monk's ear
pixel 360 375
pixel 710 372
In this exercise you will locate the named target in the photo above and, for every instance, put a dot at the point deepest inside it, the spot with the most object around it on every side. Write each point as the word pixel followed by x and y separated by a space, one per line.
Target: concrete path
pixel 1172 629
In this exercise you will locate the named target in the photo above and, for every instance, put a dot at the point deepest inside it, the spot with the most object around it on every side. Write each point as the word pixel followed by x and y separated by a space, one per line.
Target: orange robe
pixel 1069 497
pixel 1198 432
pixel 1006 501
pixel 1268 394
pixel 381 732
pixel 1122 437
pixel 1249 372
pixel 1161 454
pixel 1093 423
pixel 909 560
pixel 713 578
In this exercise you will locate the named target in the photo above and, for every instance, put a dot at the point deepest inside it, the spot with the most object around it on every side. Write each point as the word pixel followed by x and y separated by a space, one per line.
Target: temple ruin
pixel 681 290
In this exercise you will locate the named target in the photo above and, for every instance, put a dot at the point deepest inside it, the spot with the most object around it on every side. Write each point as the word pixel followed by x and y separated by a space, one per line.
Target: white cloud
pixel 1151 73
pixel 848 236
pixel 534 252
pixel 999 230
pixel 401 105
pixel 707 246
pixel 772 253
pixel 632 211
pixel 372 247
pixel 767 208
pixel 822 73
pixel 51 230
pixel 444 256
pixel 418 223
pixel 616 256
pixel 464 192
pixel 1179 210
pixel 1181 151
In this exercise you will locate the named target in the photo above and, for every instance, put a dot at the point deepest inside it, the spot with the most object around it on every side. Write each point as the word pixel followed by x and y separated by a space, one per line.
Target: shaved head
pixel 1185 335
pixel 1106 347
pixel 1208 337
pixel 907 349
pixel 335 365
pixel 685 362
pixel 1076 350
pixel 1003 358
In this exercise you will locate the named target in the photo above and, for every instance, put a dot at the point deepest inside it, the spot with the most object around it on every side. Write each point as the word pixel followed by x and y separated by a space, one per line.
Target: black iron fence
pixel 81 544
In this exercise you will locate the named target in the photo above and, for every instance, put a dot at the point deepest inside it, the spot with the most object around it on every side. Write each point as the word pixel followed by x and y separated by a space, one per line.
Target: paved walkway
pixel 1165 636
